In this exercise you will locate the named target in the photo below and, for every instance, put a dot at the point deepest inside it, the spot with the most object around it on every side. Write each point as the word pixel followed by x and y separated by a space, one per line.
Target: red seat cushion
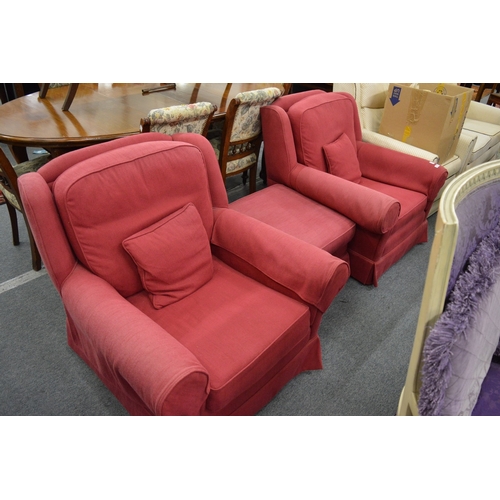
pixel 299 216
pixel 235 347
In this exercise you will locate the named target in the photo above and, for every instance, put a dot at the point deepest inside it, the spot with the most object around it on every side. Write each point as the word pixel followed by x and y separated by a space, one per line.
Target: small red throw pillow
pixel 173 256
pixel 342 159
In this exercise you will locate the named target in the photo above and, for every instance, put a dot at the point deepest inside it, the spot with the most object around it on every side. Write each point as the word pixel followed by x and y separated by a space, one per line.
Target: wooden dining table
pixel 99 112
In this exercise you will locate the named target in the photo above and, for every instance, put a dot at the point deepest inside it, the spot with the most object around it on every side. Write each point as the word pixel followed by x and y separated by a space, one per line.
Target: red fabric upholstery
pixel 173 256
pixel 313 127
pixel 318 266
pixel 298 215
pixel 370 209
pixel 388 203
pixel 342 159
pixel 227 344
pixel 83 198
pixel 235 358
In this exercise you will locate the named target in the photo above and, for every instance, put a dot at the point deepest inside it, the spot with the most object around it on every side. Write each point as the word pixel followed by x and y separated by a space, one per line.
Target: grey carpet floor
pixel 366 337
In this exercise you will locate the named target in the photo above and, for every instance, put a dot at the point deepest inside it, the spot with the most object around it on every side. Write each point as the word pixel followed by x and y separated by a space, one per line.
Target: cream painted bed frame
pixel 439 270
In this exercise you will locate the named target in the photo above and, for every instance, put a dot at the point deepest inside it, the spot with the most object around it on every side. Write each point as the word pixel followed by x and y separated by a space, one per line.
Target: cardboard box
pixel 429 116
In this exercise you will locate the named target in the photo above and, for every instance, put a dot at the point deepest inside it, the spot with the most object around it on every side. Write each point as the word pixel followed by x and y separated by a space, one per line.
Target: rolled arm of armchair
pixel 400 169
pixel 138 352
pixel 390 143
pixel 309 272
pixel 46 227
pixel 370 209
pixel 465 145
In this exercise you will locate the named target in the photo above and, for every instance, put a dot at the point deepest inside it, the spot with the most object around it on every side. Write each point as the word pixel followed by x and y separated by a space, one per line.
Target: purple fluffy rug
pixel 479 274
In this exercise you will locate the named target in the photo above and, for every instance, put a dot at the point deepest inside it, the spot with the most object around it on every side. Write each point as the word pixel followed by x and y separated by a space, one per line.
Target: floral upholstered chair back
pixel 238 148
pixel 193 118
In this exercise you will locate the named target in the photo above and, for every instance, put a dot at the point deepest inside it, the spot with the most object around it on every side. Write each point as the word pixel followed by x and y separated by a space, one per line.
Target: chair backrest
pixel 482 88
pixel 494 99
pixel 10 91
pixel 72 89
pixel 9 175
pixel 10 192
pixel 8 181
pixel 242 121
pixel 454 344
pixel 320 119
pixel 223 101
pixel 119 188
pixel 282 156
pixel 193 118
pixel 242 132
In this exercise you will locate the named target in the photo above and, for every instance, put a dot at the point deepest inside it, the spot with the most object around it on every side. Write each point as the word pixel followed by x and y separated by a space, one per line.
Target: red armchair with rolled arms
pixel 313 146
pixel 180 305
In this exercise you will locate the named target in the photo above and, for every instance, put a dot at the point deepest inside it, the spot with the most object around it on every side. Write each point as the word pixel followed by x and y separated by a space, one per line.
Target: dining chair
pixel 223 101
pixel 482 88
pixel 215 126
pixel 73 87
pixel 3 94
pixel 452 368
pixel 8 187
pixel 193 118
pixel 16 88
pixel 238 147
pixel 494 99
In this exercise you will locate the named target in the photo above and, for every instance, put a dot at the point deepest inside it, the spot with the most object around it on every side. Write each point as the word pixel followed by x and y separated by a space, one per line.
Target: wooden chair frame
pixel 253 146
pixel 73 87
pixel 8 179
pixel 494 99
pixel 225 95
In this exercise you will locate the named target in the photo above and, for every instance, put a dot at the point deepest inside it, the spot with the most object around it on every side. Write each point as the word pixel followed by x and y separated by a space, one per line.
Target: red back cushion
pixel 319 120
pixel 173 256
pixel 111 196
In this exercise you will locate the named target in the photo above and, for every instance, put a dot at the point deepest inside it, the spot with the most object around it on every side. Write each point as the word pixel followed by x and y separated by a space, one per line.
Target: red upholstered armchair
pixel 313 145
pixel 179 304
